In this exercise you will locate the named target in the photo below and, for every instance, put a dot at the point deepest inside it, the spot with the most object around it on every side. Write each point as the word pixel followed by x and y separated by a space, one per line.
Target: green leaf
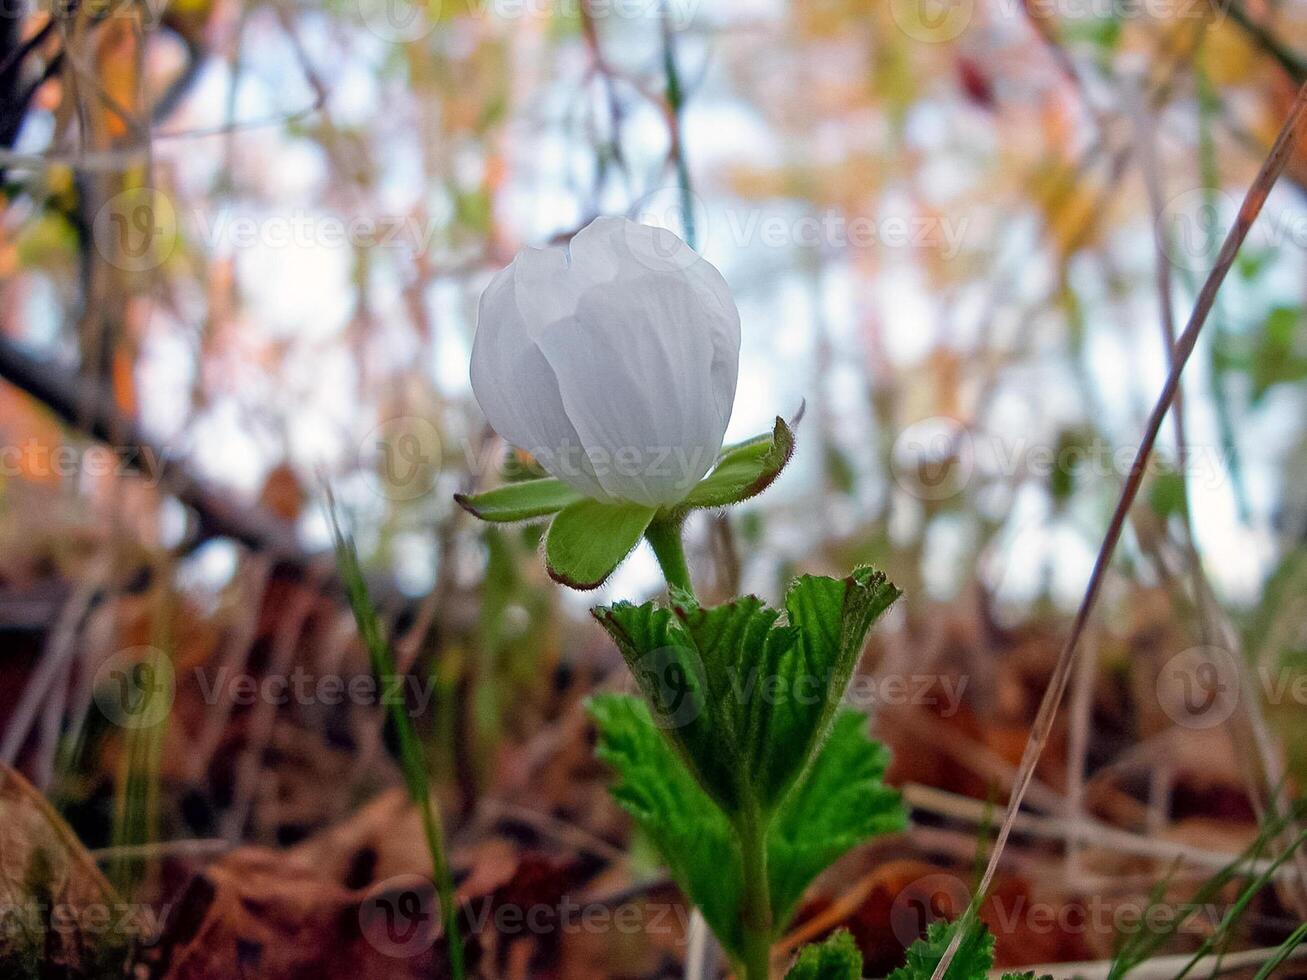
pixel 1281 352
pixel 1167 493
pixel 745 470
pixel 972 961
pixel 838 802
pixel 1069 455
pixel 746 695
pixel 837 958
pixel 519 501
pixel 731 640
pixel 671 673
pixel 843 478
pixel 828 619
pixel 589 539
pixel 689 830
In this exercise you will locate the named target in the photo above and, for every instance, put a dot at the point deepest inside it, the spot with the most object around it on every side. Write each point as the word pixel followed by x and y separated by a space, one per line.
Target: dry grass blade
pixel 1261 761
pixel 1252 205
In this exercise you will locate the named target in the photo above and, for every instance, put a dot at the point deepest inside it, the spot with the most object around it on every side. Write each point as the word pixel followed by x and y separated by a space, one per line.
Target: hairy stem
pixel 756 907
pixel 664 536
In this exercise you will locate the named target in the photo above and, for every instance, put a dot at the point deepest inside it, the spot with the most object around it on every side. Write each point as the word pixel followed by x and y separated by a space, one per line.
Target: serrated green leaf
pixel 671 673
pixel 972 961
pixel 838 802
pixel 589 539
pixel 522 501
pixel 730 640
pixel 745 694
pixel 828 619
pixel 837 958
pixel 745 470
pixel 689 830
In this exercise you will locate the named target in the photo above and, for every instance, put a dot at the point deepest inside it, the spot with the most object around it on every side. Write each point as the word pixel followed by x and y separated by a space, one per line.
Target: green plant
pixel 738 762
pixel 973 960
pixel 613 361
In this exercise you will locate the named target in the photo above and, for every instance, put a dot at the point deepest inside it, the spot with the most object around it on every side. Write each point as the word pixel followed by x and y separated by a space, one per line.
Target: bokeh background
pixel 242 247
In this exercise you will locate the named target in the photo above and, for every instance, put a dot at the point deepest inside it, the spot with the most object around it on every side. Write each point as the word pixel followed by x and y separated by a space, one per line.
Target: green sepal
pixel 689 830
pixel 840 801
pixel 838 958
pixel 523 501
pixel 589 539
pixel 744 470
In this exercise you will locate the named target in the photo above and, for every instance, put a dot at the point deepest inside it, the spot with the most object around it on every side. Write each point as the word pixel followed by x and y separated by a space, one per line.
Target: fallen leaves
pixel 56 908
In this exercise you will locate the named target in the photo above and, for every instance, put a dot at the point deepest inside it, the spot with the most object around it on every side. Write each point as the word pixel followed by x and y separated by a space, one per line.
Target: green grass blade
pixel 410 748
pixel 1286 949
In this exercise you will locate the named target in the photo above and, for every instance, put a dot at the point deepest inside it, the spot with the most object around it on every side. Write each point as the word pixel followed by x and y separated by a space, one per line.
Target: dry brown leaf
pixel 258 912
pixel 55 905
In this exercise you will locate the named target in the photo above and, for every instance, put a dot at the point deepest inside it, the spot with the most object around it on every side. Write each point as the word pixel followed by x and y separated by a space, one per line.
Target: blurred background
pixel 241 251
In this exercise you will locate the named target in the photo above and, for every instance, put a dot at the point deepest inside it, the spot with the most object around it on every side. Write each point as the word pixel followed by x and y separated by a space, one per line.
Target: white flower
pixel 613 361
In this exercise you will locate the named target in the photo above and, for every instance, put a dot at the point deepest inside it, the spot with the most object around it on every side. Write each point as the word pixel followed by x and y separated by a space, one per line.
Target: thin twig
pixel 1252 205
pixel 942 803
pixel 1214 628
pixel 1289 60
pixel 676 148
pixel 1162 967
pixel 56 656
pixel 698 949
pixel 1145 123
pixel 132 154
pixel 1077 762
pixel 197 847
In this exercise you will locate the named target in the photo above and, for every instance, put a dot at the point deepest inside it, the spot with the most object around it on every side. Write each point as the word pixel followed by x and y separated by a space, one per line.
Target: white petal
pixel 613 361
pixel 545 292
pixel 644 384
pixel 518 392
pixel 609 248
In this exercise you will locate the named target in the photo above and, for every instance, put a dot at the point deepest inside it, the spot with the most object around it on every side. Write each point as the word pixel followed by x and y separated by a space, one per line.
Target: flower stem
pixel 664 536
pixel 756 902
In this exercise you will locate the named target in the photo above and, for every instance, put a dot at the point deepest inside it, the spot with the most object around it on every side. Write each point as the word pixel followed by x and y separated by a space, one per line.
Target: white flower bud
pixel 613 361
